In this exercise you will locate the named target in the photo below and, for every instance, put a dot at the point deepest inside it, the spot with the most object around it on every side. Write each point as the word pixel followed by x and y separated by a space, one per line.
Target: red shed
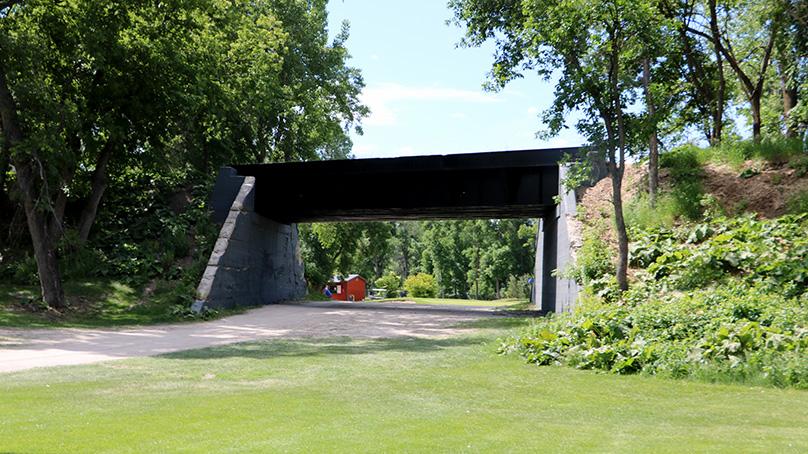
pixel 351 288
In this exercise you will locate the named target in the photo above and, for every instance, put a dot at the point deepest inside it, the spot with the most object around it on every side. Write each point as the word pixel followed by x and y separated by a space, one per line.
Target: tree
pixel 596 45
pixel 88 87
pixel 746 40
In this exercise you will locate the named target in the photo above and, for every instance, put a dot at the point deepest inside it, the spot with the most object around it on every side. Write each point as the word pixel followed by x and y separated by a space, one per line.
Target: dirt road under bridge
pixel 22 349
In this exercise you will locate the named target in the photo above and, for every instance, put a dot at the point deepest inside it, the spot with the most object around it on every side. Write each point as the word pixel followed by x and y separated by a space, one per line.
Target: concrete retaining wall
pixel 255 260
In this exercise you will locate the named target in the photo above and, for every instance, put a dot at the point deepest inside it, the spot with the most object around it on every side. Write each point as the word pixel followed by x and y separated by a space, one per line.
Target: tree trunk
pixel 99 185
pixel 617 197
pixel 754 105
pixel 39 226
pixel 653 149
pixel 5 161
pixel 718 112
pixel 39 222
pixel 618 167
pixel 789 89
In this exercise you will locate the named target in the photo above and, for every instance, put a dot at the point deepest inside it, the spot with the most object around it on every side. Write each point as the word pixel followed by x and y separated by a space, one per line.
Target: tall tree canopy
pixel 89 87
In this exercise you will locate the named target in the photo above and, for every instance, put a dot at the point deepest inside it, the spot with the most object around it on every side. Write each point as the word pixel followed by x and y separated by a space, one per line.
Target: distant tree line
pixel 481 259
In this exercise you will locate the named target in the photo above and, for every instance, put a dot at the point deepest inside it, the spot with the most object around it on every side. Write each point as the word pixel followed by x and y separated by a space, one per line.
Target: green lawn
pixel 391 395
pixel 93 303
pixel 509 303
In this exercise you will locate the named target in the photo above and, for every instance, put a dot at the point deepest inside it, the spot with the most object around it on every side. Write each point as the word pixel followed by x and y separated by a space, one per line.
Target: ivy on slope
pixel 725 300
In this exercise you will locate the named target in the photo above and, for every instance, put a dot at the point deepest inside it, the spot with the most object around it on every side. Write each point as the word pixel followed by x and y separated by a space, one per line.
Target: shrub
pixel 421 285
pixel 735 333
pixel 735 153
pixel 686 172
pixel 798 203
pixel 518 286
pixel 594 259
pixel 639 213
pixel 390 282
pixel 724 300
pixel 800 165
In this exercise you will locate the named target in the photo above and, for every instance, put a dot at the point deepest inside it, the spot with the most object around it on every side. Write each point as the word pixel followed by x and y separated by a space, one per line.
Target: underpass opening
pixel 257 258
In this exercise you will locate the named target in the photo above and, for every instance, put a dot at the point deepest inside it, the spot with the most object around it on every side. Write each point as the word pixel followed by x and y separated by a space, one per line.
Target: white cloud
pixel 380 98
pixel 458 115
pixel 532 111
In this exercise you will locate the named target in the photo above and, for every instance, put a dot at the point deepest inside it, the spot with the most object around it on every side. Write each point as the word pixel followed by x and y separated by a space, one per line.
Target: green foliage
pixel 594 258
pixel 119 98
pixel 640 214
pixel 723 300
pixel 421 285
pixel 800 165
pixel 686 172
pixel 735 153
pixel 473 258
pixel 798 203
pixel 518 287
pixel 390 282
pixel 736 332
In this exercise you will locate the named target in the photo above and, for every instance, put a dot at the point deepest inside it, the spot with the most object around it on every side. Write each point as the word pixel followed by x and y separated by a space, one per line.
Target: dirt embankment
pixel 765 191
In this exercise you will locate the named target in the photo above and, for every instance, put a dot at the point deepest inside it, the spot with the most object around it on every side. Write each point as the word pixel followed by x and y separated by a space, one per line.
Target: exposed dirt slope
pixel 765 193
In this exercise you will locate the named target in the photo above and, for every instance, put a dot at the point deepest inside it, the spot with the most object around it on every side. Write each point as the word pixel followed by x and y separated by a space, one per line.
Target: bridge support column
pixel 554 253
pixel 255 260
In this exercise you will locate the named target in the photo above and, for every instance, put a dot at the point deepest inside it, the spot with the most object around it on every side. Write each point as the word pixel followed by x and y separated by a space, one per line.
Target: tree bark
pixel 718 112
pixel 754 107
pixel 5 161
pixel 789 91
pixel 617 167
pixel 99 185
pixel 653 148
pixel 753 89
pixel 39 222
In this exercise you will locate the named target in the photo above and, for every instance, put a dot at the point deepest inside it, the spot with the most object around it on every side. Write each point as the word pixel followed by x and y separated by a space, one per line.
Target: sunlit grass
pixel 511 303
pixel 386 395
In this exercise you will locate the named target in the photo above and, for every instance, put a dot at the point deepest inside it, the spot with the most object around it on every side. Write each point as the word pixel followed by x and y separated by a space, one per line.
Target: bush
pixel 518 287
pixel 421 285
pixel 725 300
pixel 594 259
pixel 737 332
pixel 390 282
pixel 685 165
pixel 776 151
pixel 798 203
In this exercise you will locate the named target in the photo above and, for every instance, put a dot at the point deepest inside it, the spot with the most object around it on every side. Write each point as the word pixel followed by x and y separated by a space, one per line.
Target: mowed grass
pixel 511 303
pixel 388 395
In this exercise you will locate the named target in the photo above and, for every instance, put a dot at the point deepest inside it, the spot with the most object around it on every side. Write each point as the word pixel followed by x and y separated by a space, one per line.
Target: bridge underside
pixel 464 186
pixel 257 261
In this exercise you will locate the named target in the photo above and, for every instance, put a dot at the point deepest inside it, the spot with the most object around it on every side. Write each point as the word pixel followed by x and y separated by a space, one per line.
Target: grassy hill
pixel 719 273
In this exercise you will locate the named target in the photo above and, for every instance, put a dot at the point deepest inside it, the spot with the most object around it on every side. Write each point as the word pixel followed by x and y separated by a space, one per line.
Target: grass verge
pixel 505 303
pixel 94 303
pixel 342 395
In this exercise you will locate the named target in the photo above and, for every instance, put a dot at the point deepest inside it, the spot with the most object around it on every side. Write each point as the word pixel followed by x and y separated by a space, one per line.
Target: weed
pixel 800 165
pixel 687 190
pixel 798 203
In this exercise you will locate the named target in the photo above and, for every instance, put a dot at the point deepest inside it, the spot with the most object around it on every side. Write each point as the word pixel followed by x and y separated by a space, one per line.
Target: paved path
pixel 22 349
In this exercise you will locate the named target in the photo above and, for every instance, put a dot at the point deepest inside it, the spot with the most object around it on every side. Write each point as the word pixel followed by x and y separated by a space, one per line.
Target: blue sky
pixel 426 94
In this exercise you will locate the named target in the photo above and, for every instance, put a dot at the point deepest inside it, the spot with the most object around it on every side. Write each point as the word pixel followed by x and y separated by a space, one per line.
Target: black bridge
pixel 511 184
pixel 256 259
